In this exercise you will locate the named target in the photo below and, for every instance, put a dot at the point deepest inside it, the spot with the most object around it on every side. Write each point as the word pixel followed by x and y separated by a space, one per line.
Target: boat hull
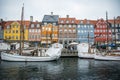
pixel 11 57
pixel 107 57
pixel 86 55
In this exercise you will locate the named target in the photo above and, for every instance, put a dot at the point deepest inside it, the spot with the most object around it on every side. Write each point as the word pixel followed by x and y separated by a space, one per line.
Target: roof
pixel 85 21
pixel 26 22
pixel 70 21
pixel 50 18
pixel 35 25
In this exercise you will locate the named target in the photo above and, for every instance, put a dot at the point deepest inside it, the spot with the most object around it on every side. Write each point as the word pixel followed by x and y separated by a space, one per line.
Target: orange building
pixel 49 29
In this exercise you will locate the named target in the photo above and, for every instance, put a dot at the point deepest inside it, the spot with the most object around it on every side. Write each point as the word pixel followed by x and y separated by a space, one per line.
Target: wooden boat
pixel 53 53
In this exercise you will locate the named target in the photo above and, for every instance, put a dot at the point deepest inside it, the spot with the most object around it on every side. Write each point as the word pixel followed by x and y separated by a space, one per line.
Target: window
pixel 78 31
pixel 60 30
pixel 65 25
pixel 116 25
pixel 91 26
pixel 54 24
pixel 65 30
pixel 32 25
pixel 78 26
pixel 62 21
pixel 67 21
pixel 38 25
pixel 70 30
pixel 81 22
pixel 84 26
pixel 69 26
pixel 45 24
pixel 16 37
pixel 112 25
pixel 8 27
pixel 16 26
pixel 38 30
pixel 100 26
pixel 13 31
pixel 29 30
pixel 72 21
pixel 74 26
pixel 32 30
pixel 16 31
pixel 74 31
pixel 60 25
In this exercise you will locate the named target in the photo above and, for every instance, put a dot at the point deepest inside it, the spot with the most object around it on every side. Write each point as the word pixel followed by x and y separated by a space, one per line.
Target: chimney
pixel 1 20
pixel 31 18
pixel 51 13
pixel 67 16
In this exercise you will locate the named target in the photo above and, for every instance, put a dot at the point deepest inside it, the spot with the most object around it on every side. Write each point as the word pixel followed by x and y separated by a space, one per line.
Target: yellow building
pixel 12 30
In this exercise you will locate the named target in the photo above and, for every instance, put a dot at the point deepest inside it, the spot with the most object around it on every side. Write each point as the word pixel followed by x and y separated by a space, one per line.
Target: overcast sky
pixel 81 9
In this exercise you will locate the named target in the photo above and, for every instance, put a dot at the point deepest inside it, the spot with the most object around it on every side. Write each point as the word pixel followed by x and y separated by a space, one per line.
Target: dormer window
pixel 8 27
pixel 72 21
pixel 81 22
pixel 38 25
pixel 54 24
pixel 62 21
pixel 67 21
pixel 45 23
pixel 88 22
pixel 32 25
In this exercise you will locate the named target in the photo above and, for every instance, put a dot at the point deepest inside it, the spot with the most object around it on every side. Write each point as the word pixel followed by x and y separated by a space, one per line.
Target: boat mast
pixel 114 34
pixel 88 42
pixel 107 29
pixel 21 30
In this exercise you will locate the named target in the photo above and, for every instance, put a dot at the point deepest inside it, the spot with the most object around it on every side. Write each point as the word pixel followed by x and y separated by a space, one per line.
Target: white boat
pixel 107 56
pixel 84 51
pixel 53 53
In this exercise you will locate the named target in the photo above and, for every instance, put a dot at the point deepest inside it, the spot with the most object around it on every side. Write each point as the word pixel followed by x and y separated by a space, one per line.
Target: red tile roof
pixel 70 21
pixel 27 23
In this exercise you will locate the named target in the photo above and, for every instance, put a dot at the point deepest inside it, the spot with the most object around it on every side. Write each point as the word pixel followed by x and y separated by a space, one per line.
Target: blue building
pixel 85 31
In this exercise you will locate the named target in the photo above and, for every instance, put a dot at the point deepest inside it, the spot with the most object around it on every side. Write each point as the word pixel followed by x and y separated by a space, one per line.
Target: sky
pixel 80 9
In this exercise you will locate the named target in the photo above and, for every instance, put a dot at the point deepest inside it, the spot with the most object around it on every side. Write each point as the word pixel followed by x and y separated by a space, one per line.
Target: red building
pixel 103 32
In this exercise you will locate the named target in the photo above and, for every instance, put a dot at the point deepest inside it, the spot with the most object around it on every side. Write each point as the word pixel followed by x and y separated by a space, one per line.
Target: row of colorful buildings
pixel 53 29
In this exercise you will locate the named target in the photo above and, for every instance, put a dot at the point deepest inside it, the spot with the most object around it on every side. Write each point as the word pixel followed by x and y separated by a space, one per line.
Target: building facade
pixel 85 31
pixel 49 29
pixel 103 32
pixel 67 30
pixel 12 30
pixel 35 32
pixel 115 25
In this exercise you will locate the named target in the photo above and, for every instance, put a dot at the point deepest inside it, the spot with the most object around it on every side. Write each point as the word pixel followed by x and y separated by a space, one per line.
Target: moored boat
pixel 111 55
pixel 53 53
pixel 84 51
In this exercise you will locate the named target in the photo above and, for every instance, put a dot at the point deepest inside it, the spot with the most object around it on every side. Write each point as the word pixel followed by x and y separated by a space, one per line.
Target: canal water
pixel 62 69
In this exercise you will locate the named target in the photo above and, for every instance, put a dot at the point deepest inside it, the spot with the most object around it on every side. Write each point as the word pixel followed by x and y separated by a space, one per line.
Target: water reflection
pixel 30 70
pixel 98 70
pixel 63 69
